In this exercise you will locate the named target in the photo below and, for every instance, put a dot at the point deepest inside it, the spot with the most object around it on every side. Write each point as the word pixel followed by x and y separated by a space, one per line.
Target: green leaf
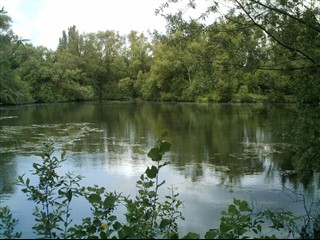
pixel 148 184
pixel 94 198
pixel 69 195
pixel 164 223
pixel 165 147
pixel 112 218
pixel 103 235
pixel 152 172
pixel 225 227
pixel 36 166
pixel 236 201
pixel 91 229
pixel 28 182
pixel 109 202
pixel 154 154
pixel 95 222
pixel 63 154
pixel 243 206
pixel 191 235
pixel 172 235
pixel 244 218
pixel 20 179
pixel 152 194
pixel 259 227
pixel 117 225
pixel 211 234
pixel 127 231
pixel 233 210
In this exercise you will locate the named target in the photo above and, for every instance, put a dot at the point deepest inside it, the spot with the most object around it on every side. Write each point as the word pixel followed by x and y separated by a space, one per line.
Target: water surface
pixel 219 151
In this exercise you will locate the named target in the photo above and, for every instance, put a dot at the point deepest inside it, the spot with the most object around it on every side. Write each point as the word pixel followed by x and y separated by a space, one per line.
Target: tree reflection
pixel 228 141
pixel 7 173
pixel 306 160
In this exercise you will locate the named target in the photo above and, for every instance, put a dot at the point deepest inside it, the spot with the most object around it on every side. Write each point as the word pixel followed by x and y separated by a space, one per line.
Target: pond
pixel 219 151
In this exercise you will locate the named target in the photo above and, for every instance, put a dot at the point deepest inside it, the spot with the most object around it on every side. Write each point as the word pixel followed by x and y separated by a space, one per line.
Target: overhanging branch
pixel 274 37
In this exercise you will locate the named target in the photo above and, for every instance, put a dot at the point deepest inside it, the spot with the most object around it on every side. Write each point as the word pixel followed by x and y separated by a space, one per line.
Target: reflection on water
pixel 219 151
pixel 8 170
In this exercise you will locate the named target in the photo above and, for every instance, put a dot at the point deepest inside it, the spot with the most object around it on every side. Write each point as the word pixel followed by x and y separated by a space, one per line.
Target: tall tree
pixel 179 65
pixel 103 62
pixel 139 54
pixel 292 29
pixel 72 41
pixel 138 59
pixel 12 89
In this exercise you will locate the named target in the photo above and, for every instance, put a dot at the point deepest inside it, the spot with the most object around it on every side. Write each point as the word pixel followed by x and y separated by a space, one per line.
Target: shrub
pixel 146 216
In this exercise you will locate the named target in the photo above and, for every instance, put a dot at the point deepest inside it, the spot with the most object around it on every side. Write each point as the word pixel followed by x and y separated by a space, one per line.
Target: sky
pixel 42 21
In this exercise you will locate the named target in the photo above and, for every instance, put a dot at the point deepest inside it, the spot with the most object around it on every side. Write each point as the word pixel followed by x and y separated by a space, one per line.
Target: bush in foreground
pixel 145 216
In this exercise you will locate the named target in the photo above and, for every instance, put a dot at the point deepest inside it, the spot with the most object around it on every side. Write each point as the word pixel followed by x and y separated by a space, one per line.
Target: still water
pixel 219 151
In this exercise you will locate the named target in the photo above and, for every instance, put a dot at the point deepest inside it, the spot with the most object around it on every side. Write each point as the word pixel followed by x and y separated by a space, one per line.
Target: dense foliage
pixel 256 50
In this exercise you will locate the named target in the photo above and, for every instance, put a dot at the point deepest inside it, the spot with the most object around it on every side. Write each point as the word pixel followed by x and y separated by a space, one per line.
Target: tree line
pixel 257 51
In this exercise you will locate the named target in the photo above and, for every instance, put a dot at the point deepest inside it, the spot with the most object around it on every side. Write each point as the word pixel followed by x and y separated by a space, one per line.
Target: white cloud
pixel 42 21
